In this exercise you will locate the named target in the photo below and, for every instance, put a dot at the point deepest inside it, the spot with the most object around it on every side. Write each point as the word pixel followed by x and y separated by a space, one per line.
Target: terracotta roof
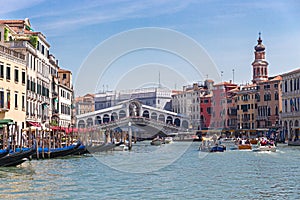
pixel 64 70
pixel 224 83
pixel 291 72
pixel 12 21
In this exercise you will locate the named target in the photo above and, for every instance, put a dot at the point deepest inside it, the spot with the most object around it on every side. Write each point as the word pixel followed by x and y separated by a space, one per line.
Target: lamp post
pixel 129 136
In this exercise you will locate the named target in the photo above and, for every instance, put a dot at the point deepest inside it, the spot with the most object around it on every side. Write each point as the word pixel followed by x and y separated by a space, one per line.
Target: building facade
pixel 219 104
pixel 12 86
pixel 290 115
pixel 85 104
pixel 65 101
pixel 188 103
pixel 41 71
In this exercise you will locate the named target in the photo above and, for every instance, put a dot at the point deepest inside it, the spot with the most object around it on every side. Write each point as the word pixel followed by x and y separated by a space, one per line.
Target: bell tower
pixel 260 65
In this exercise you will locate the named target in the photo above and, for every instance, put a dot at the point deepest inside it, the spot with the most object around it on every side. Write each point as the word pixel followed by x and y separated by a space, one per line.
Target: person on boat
pixel 247 141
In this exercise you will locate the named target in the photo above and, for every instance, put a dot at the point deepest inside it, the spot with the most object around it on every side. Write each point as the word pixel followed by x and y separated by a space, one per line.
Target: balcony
pixel 22 44
pixel 52 59
pixel 290 114
pixel 261 117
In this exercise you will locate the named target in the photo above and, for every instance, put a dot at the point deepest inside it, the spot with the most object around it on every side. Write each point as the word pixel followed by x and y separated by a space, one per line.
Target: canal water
pixel 171 171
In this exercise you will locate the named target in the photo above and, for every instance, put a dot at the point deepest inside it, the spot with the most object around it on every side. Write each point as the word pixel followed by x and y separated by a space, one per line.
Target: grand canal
pixel 161 175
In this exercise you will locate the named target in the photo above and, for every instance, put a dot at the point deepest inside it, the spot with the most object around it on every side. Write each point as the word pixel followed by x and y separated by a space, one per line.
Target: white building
pixel 156 97
pixel 290 115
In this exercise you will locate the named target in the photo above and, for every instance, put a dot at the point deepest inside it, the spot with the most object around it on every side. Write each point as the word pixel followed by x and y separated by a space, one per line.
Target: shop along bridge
pixel 133 113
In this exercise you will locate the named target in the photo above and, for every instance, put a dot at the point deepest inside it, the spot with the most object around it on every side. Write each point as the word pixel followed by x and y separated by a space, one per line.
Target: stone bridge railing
pixel 140 121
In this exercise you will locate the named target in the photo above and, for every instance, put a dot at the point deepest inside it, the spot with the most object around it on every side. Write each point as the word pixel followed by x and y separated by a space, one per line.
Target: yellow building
pixel 12 86
pixel 246 108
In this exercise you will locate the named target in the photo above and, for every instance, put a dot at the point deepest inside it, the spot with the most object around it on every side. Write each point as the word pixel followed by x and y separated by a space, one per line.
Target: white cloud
pixel 15 5
pixel 95 12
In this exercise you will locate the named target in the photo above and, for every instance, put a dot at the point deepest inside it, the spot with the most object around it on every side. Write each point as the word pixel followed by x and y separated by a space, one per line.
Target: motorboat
pixel 208 145
pixel 270 147
pixel 122 147
pixel 244 147
pixel 156 141
pixel 168 140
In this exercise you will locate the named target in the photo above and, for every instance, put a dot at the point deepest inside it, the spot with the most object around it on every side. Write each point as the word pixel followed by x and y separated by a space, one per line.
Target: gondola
pixel 17 157
pixel 55 152
pixel 103 147
pixel 4 152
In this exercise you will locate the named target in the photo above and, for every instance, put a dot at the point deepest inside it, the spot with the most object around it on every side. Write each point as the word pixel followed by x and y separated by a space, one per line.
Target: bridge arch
pixel 81 124
pixel 146 114
pixel 134 109
pixel 106 118
pixel 97 120
pixel 169 120
pixel 161 117
pixel 89 122
pixel 177 122
pixel 154 116
pixel 185 124
pixel 114 116
pixel 122 114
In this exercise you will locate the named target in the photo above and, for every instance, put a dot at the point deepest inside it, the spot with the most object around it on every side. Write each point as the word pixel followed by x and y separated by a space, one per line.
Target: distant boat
pixel 208 145
pixel 122 147
pixel 244 146
pixel 103 147
pixel 271 148
pixel 156 142
pixel 168 140
pixel 294 143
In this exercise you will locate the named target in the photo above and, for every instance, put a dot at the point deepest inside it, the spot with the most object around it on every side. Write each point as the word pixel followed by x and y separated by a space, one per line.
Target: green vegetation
pixel 6 31
pixel 33 41
pixel 53 123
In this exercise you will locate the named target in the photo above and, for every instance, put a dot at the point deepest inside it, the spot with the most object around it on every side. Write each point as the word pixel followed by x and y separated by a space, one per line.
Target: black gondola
pixel 16 158
pixel 102 147
pixel 55 153
pixel 4 152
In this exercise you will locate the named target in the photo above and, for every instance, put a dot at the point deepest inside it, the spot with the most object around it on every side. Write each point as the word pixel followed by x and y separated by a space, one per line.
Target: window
pixel 276 96
pixel 8 72
pixel 16 75
pixel 8 99
pixel 23 77
pixel 23 101
pixel 1 99
pixel 1 70
pixel 16 100
pixel 64 76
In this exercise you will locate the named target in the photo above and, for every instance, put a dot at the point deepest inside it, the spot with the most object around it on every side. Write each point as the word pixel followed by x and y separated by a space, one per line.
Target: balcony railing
pixel 22 44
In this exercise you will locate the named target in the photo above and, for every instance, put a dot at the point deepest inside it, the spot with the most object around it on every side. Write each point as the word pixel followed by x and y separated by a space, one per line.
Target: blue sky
pixel 227 30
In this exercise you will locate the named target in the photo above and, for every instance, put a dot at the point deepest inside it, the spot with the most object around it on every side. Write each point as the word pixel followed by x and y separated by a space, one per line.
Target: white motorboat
pixel 270 147
pixel 168 140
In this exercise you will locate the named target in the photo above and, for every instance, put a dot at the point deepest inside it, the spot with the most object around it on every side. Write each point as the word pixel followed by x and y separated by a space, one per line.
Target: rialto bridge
pixel 132 112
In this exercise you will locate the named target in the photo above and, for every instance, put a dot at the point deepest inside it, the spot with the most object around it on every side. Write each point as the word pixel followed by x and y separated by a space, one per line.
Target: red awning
pixel 36 124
